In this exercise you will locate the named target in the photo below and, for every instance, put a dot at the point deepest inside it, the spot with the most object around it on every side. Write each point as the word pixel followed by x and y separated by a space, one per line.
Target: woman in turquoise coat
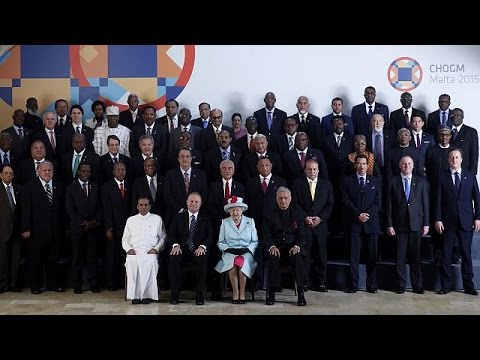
pixel 238 240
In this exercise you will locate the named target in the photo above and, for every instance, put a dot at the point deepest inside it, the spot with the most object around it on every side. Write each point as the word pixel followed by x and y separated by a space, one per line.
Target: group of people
pixel 155 193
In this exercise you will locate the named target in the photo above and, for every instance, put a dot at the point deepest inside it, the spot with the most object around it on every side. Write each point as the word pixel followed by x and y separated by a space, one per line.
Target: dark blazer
pixel 25 171
pixel 59 126
pixel 336 157
pixel 160 138
pixel 89 157
pixel 80 207
pixel 276 232
pixel 311 128
pixel 242 145
pixel 433 121
pixel 198 122
pixel 392 167
pixel 361 121
pixel 141 188
pixel 69 131
pixel 208 138
pixel 278 118
pixel 467 140
pixel 127 120
pixel 397 119
pixel 327 128
pixel 179 231
pixel 214 158
pixel 436 162
pixel 292 168
pixel 9 220
pixel 116 209
pixel 355 202
pixel 389 141
pixel 163 120
pixel 249 165
pixel 405 215
pixel 106 167
pixel 426 141
pixel 21 148
pixel 321 206
pixel 137 168
pixel 216 200
pixel 33 122
pixel 278 144
pixel 59 143
pixel 197 160
pixel 449 208
pixel 174 138
pixel 14 160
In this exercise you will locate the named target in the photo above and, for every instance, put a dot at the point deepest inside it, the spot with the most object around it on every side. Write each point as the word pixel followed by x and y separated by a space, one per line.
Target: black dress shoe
pixel 418 290
pixel 77 290
pixel 352 290
pixel 400 290
pixel 323 288
pixel 443 292
pixel 95 290
pixel 471 292
pixel 199 299
pixel 136 301
pixel 371 290
pixel 146 301
pixel 174 300
pixel 301 300
pixel 270 298
pixel 36 291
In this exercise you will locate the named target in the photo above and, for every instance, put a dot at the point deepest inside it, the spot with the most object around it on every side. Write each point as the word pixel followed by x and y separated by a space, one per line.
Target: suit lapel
pixel 450 182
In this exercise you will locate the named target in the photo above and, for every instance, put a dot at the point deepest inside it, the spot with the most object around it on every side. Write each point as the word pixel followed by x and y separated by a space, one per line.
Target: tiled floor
pixel 331 303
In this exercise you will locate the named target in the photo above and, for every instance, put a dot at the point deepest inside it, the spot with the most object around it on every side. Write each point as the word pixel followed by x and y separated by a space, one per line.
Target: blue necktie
pixel 370 112
pixel 5 159
pixel 269 119
pixel 454 134
pixel 444 118
pixel 224 155
pixel 362 184
pixel 407 189
pixel 457 182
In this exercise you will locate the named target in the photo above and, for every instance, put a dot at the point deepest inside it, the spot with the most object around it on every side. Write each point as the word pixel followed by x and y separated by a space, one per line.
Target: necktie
pixel 370 112
pixel 78 130
pixel 457 182
pixel 419 142
pixel 20 134
pixel 115 160
pixel 10 197
pixel 302 159
pixel 205 124
pixel 269 119
pixel 122 190
pixel 224 155
pixel 407 189
pixel 216 133
pixel 52 140
pixel 186 181
pixel 444 118
pixel 227 192
pixel 153 190
pixel 84 188
pixel 264 185
pixel 191 234
pixel 362 184
pixel 312 189
pixel 184 129
pixel 378 149
pixel 454 134
pixel 252 143
pixel 302 120
pixel 171 124
pixel 49 192
pixel 36 165
pixel 75 164
pixel 339 140
pixel 290 142
pixel 407 119
pixel 148 131
pixel 5 159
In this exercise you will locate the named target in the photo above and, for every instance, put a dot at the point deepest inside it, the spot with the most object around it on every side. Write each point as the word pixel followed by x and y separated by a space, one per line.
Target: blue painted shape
pixel 125 61
pixel 45 61
pixel 170 81
pixel 174 91
pixel 161 81
pixel 16 82
pixel 161 90
pixel 74 82
pixel 113 92
pixel 94 81
pixel 6 95
pixel 88 93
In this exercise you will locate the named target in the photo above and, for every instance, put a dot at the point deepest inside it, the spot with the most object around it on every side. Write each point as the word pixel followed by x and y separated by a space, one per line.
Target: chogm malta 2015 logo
pixel 405 74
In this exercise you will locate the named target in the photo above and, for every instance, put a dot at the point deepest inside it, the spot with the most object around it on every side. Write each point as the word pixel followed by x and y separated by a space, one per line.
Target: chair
pixel 285 267
pixel 251 281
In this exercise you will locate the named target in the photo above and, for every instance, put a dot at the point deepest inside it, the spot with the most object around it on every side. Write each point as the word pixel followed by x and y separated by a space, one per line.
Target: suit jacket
pixel 293 168
pixel 33 122
pixel 20 147
pixel 355 202
pixel 436 162
pixel 59 143
pixel 278 118
pixel 179 231
pixel 216 200
pixel 116 209
pixel 198 122
pixel 452 209
pixel 89 157
pixel 426 141
pixel 336 157
pixel 10 219
pixel 249 165
pixel 284 229
pixel 321 206
pixel 389 141
pixel 160 138
pixel 407 215
pixel 327 128
pixel 106 167
pixel 127 120
pixel 59 126
pixel 214 158
pixel 278 144
pixel 80 207
pixel 467 140
pixel 208 138
pixel 433 121
pixel 69 131
pixel 141 188
pixel 137 168
pixel 396 153
pixel 174 139
pixel 361 120
pixel 14 160
pixel 397 119
pixel 311 128
pixel 25 171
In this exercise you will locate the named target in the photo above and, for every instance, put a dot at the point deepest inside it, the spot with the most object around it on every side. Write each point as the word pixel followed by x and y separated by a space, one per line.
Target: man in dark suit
pixel 185 142
pixel 10 240
pixel 79 155
pixel 326 123
pixel 133 115
pixel 407 217
pixel 457 213
pixel 20 134
pixel 148 126
pixel 420 139
pixel 32 120
pixel 27 168
pixel 51 137
pixel 402 117
pixel 110 158
pixel 294 160
pixel 362 113
pixel 402 149
pixel 314 195
pixel 224 151
pixel 285 142
pixel 204 119
pixel 180 182
pixel 208 136
pixel 465 138
pixel 380 141
pixel 362 201
pixel 82 204
pixel 61 114
pixel 7 155
pixel 43 211
pixel 184 117
pixel 146 144
pixel 116 209
pixel 190 240
pixel 284 238
pixel 270 119
pixel 440 116
pixel 170 119
pixel 149 186
pixel 307 122
pixel 76 127
pixel 246 144
pixel 218 193
pixel 250 160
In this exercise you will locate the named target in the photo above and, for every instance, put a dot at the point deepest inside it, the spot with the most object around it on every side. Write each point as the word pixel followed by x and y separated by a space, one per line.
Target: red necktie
pixel 122 190
pixel 302 159
pixel 264 185
pixel 252 143
pixel 227 192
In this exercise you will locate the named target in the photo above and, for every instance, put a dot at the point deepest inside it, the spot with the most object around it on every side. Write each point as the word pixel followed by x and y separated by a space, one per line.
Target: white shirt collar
pixel 268 177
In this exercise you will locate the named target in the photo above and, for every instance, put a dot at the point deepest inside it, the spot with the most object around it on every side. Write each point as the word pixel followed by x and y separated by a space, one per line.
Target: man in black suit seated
pixel 11 243
pixel 224 151
pixel 284 238
pixel 32 120
pixel 407 217
pixel 20 134
pixel 402 117
pixel 79 155
pixel 82 204
pixel 133 115
pixel 190 240
pixel 307 122
pixel 362 201
pixel 111 157
pixel 204 119
pixel 314 195
pixel 43 209
pixel 465 138
pixel 270 119
pixel 362 113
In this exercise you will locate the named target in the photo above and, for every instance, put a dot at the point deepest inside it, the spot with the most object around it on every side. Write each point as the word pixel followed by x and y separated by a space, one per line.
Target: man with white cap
pixel 111 128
